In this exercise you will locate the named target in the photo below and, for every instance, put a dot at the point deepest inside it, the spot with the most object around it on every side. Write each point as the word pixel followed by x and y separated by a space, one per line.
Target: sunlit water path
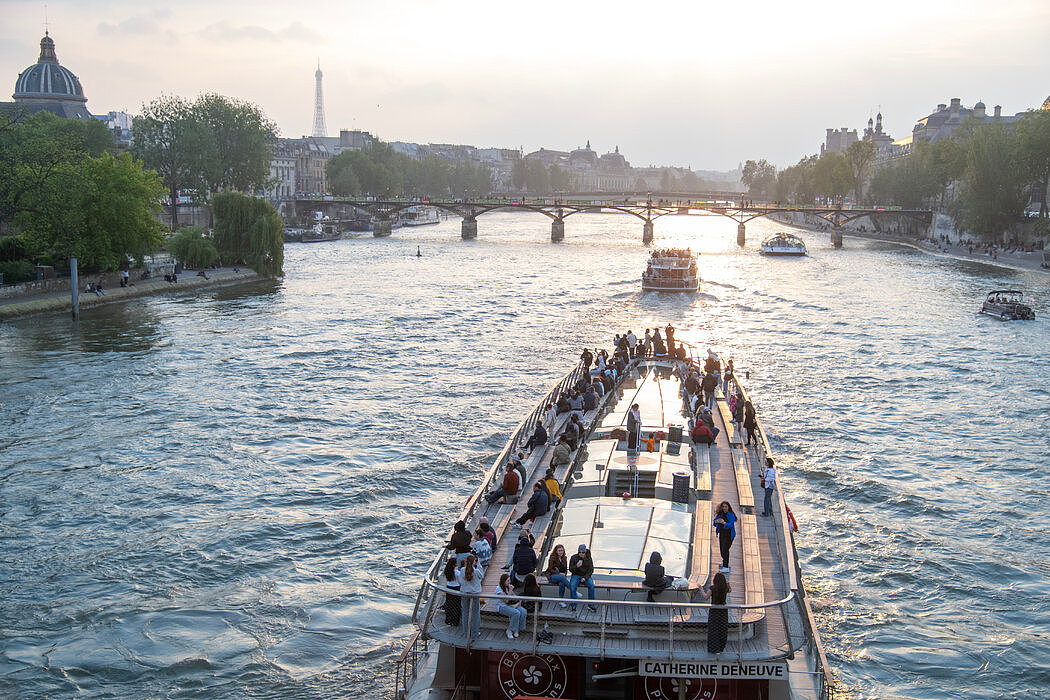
pixel 235 493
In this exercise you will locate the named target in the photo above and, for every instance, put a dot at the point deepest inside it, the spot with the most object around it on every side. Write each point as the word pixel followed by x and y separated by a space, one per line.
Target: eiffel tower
pixel 319 126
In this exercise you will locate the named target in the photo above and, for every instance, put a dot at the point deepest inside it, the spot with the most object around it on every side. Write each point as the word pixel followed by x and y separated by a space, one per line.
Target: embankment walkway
pixel 62 301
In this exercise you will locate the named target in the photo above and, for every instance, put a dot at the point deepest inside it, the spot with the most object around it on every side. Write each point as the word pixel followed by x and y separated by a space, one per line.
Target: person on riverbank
pixel 469 576
pixel 725 528
pixel 557 571
pixel 769 483
pixel 717 618
pixel 510 608
pixel 581 567
pixel 453 606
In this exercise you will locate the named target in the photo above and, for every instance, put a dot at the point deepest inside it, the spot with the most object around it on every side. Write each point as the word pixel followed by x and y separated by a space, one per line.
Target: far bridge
pixel 647 207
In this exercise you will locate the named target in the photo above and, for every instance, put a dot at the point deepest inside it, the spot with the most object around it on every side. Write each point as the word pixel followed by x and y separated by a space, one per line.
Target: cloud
pixel 133 26
pixel 224 31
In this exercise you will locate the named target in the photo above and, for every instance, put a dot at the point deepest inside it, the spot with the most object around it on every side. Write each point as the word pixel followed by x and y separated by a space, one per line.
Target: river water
pixel 233 493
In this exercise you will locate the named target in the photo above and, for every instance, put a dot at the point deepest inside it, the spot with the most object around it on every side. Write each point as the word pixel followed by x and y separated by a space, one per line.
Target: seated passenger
pixel 590 399
pixel 538 504
pixel 702 434
pixel 524 558
pixel 561 455
pixel 655 579
pixel 553 487
pixel 538 439
pixel 511 485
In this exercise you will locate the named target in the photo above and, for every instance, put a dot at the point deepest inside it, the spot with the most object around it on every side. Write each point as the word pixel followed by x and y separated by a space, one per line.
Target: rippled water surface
pixel 233 492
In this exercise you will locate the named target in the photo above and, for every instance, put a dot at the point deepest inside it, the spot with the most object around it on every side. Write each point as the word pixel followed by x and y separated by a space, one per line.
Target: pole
pixel 74 286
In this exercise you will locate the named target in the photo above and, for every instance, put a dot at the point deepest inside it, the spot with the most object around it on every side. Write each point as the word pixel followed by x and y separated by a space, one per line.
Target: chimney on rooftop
pixel 998 111
pixel 941 107
pixel 956 102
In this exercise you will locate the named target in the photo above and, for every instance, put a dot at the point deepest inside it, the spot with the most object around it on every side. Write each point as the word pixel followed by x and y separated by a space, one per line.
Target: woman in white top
pixel 510 608
pixel 469 577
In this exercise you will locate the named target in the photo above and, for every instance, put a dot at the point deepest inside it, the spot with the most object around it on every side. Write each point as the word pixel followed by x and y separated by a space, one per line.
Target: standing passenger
pixel 452 603
pixel 460 541
pixel 634 427
pixel 769 482
pixel 469 578
pixel 725 520
pixel 750 424
pixel 717 619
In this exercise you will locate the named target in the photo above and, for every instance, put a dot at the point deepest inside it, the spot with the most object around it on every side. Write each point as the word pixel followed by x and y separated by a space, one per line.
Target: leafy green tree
pixel 537 178
pixel 172 140
pixel 192 248
pixel 242 139
pixel 518 173
pixel 832 176
pixel 991 194
pixel 759 177
pixel 860 155
pixel 248 230
pixel 1033 133
pixel 559 179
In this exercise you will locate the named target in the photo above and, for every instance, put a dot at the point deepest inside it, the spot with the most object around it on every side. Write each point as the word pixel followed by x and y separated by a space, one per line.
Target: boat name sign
pixel 694 669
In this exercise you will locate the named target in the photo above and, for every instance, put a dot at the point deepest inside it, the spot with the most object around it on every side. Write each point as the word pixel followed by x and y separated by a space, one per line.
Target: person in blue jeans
pixel 557 571
pixel 511 608
pixel 581 567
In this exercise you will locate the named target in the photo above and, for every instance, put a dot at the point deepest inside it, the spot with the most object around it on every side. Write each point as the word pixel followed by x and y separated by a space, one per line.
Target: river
pixel 233 492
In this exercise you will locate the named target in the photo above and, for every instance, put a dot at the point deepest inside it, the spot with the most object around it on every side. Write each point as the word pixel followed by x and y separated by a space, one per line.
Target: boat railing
pixel 407 666
pixel 615 618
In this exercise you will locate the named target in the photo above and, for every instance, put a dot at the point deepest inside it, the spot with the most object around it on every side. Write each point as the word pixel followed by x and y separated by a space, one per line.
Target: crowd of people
pixel 471 555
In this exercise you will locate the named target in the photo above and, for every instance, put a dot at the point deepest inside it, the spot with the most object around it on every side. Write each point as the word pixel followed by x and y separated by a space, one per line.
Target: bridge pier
pixel 741 238
pixel 558 230
pixel 381 228
pixel 647 233
pixel 469 231
pixel 836 237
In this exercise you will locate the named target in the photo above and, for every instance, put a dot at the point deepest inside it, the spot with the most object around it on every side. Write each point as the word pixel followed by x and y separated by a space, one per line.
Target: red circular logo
pixel 532 674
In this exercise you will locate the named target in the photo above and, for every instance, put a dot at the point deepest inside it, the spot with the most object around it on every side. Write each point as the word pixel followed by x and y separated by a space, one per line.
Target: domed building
pixel 47 86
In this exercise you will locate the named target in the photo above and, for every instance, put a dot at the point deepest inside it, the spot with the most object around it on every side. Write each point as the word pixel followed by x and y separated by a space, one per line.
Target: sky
pixel 699 84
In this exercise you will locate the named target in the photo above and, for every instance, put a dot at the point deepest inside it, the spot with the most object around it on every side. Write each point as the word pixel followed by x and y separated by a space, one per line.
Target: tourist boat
pixel 783 244
pixel 1007 305
pixel 321 232
pixel 419 216
pixel 671 270
pixel 623 505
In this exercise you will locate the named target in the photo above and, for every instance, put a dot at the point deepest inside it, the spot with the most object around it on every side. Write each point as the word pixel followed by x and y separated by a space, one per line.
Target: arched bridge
pixel 647 208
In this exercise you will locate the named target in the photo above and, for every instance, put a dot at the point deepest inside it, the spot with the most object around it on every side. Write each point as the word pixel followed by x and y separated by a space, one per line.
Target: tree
pixel 192 248
pixel 248 230
pixel 759 177
pixel 859 157
pixel 1033 133
pixel 170 139
pixel 242 139
pixel 537 178
pixel 559 178
pixel 990 197
pixel 831 175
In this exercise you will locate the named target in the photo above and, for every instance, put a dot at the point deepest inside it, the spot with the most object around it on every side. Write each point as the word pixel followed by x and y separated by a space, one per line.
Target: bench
pixel 727 421
pixel 742 471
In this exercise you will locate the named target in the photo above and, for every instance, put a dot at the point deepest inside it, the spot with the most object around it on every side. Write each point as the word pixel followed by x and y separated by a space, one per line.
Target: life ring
pixel 791 519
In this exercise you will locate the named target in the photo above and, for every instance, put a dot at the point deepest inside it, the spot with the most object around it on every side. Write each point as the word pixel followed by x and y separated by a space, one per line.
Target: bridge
pixel 647 207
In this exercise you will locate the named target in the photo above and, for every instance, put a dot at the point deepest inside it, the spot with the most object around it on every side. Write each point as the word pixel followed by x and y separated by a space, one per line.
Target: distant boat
pixel 783 244
pixel 320 233
pixel 671 270
pixel 1007 305
pixel 419 216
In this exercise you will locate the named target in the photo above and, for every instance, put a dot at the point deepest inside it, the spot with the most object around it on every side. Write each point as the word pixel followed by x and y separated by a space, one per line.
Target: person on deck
pixel 481 548
pixel 725 527
pixel 553 487
pixel 510 608
pixel 452 603
pixel 709 384
pixel 460 541
pixel 701 434
pixel 538 504
pixel 717 619
pixel 469 577
pixel 669 334
pixel 582 569
pixel 634 427
pixel 590 399
pixel 647 344
pixel 750 424
pixel 586 358
pixel 486 529
pixel 659 350
pixel 632 344
pixel 562 456
pixel 511 485
pixel 538 439
pixel 524 558
pixel 769 483
pixel 576 404
pixel 557 571
pixel 655 578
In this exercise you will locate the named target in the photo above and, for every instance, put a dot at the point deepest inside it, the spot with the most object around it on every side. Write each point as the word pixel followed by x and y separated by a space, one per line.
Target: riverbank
pixel 61 301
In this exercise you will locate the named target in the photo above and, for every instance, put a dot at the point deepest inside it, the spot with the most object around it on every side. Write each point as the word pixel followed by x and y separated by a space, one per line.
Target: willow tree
pixel 248 231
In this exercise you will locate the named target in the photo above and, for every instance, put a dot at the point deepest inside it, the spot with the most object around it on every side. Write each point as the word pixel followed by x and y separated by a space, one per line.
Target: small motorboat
pixel 783 244
pixel 1007 305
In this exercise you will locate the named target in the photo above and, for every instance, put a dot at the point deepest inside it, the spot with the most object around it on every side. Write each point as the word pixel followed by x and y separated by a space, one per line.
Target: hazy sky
pixel 701 84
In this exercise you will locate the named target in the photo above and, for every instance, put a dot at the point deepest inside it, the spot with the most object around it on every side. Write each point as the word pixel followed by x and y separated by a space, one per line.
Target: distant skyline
pixel 671 83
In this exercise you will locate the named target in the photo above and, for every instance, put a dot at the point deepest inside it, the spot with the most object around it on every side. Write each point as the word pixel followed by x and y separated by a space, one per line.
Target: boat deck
pixel 622 532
